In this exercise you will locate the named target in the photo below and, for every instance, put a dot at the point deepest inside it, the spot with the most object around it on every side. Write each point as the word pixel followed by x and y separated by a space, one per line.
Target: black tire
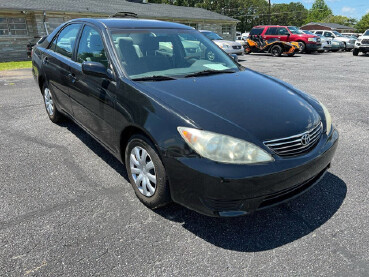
pixel 302 46
pixel 161 196
pixel 54 114
pixel 356 52
pixel 276 51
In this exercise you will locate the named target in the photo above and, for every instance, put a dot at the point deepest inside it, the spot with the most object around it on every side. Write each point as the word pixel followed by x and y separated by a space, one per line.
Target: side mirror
pixel 96 69
pixel 234 56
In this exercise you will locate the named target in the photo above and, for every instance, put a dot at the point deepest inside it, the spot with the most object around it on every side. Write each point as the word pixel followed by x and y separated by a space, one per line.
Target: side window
pixel 256 31
pixel 328 34
pixel 283 32
pixel 319 32
pixel 91 47
pixel 64 43
pixel 272 31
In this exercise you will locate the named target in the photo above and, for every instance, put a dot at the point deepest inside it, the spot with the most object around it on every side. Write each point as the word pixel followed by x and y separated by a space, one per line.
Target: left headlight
pixel 222 148
pixel 311 39
pixel 328 118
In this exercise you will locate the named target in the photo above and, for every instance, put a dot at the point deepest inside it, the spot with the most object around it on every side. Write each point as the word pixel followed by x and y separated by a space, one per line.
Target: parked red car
pixel 308 43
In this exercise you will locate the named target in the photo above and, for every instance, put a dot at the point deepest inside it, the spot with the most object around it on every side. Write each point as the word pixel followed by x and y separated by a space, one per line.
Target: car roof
pixel 132 23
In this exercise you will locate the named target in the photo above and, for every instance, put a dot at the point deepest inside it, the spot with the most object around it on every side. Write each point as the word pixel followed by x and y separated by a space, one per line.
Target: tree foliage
pixel 319 11
pixel 363 23
pixel 340 19
pixel 294 14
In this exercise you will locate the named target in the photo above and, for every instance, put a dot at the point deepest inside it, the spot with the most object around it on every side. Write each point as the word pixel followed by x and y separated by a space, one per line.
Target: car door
pixel 270 33
pixel 56 64
pixel 283 34
pixel 92 97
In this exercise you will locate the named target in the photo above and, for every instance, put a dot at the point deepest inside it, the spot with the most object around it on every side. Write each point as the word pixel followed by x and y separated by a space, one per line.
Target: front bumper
pixel 216 189
pixel 313 46
pixel 362 48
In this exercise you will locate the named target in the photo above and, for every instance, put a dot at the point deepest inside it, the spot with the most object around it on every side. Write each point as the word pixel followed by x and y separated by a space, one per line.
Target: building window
pixel 226 29
pixel 13 26
pixel 53 23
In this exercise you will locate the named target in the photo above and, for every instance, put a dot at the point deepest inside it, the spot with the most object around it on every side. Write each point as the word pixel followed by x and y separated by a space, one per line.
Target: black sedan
pixel 190 124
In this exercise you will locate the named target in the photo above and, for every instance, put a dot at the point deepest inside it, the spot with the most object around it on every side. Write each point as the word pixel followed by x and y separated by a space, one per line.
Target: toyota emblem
pixel 305 139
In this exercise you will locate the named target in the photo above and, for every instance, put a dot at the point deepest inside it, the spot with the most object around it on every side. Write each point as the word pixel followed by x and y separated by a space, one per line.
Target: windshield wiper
pixel 154 78
pixel 209 72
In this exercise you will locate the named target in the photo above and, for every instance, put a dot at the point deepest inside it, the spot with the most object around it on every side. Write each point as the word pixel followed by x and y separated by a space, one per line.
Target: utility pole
pixel 270 16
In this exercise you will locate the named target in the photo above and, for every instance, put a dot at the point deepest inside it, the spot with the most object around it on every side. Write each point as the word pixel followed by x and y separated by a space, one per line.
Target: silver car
pixel 349 43
pixel 230 47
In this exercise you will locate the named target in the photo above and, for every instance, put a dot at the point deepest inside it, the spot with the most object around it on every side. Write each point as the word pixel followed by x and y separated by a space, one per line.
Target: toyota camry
pixel 189 123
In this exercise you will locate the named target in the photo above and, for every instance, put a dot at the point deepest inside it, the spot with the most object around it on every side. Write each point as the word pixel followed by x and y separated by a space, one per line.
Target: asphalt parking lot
pixel 66 208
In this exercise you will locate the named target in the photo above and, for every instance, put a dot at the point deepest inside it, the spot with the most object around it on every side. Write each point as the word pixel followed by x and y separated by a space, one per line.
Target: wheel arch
pixel 130 131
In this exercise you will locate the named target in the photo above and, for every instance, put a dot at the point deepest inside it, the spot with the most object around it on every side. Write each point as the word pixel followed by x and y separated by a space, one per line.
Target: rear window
pixel 256 31
pixel 272 31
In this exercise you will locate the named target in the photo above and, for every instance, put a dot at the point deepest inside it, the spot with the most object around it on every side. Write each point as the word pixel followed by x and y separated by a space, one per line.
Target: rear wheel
pixel 146 172
pixel 356 52
pixel 50 107
pixel 276 51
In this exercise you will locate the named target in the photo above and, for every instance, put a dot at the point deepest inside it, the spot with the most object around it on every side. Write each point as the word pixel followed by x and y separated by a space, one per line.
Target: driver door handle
pixel 45 60
pixel 72 77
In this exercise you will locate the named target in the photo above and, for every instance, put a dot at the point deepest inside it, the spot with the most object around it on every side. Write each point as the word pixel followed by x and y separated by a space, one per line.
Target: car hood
pixel 229 42
pixel 252 103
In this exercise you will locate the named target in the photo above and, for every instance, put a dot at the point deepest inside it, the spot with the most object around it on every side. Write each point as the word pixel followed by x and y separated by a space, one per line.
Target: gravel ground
pixel 66 208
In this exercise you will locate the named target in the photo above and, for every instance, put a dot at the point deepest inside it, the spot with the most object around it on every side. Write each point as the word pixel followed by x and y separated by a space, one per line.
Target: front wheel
pixel 356 52
pixel 302 46
pixel 50 107
pixel 146 172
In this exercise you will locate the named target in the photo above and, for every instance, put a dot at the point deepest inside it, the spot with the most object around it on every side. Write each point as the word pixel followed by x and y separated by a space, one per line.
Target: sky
pixel 349 8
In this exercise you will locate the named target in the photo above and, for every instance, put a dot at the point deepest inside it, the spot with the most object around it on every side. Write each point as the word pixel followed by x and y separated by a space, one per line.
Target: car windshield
pixel 366 33
pixel 167 53
pixel 212 36
pixel 294 30
pixel 309 33
pixel 337 34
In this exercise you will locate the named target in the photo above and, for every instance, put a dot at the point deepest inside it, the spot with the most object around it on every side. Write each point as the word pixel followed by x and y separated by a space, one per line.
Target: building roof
pixel 333 26
pixel 108 7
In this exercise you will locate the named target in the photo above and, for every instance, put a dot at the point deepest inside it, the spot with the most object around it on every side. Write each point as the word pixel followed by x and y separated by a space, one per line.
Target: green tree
pixel 363 23
pixel 294 14
pixel 340 19
pixel 319 11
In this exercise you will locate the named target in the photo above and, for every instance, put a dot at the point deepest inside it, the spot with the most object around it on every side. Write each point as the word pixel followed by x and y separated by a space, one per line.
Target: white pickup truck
pixel 362 44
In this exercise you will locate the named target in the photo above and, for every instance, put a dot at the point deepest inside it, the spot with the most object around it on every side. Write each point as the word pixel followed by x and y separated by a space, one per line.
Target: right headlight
pixel 328 119
pixel 222 148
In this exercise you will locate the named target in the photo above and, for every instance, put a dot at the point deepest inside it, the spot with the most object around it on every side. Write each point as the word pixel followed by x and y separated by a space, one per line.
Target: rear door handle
pixel 45 60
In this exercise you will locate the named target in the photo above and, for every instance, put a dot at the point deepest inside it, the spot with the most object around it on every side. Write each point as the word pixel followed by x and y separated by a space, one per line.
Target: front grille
pixel 297 144
pixel 365 41
pixel 222 205
pixel 236 47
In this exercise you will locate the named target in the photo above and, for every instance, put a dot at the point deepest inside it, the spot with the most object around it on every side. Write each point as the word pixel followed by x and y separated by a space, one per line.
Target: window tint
pixel 319 32
pixel 282 31
pixel 328 34
pixel 91 47
pixel 256 31
pixel 65 41
pixel 272 31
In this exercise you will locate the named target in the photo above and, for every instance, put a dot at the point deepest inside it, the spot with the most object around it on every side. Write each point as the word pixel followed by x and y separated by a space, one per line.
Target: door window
pixel 319 32
pixel 91 47
pixel 328 34
pixel 282 32
pixel 64 43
